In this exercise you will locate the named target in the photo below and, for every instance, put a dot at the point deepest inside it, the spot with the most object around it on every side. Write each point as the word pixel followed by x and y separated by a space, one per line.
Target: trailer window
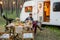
pixel 28 9
pixel 56 6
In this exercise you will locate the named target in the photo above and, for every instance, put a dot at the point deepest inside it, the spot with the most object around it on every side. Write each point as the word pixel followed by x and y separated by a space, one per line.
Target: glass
pixel 28 9
pixel 56 6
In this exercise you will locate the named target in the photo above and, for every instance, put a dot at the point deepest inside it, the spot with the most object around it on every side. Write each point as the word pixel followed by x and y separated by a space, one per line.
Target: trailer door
pixel 40 11
pixel 46 9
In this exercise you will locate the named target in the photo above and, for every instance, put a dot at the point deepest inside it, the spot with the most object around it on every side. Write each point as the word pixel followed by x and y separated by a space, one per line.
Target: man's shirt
pixel 29 18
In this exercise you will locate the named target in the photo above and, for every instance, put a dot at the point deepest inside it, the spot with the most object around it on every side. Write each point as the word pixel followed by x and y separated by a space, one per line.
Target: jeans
pixel 36 25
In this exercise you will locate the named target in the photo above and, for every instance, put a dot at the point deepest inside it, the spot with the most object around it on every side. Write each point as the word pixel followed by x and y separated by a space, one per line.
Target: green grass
pixel 49 33
pixel 56 31
pixel 9 15
pixel 2 21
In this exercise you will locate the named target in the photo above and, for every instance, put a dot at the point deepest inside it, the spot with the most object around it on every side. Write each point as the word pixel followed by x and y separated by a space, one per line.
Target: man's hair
pixel 30 14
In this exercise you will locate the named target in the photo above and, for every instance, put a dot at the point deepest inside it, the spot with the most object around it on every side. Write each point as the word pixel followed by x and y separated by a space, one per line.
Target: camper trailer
pixel 46 11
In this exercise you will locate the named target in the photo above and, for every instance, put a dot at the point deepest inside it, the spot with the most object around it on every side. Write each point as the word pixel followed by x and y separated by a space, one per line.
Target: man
pixel 30 17
pixel 35 23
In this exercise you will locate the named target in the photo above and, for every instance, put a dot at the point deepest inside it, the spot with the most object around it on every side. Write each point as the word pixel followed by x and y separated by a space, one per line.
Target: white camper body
pixel 46 11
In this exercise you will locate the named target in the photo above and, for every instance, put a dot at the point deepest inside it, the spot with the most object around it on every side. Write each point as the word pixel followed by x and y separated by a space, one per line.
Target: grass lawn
pixel 9 15
pixel 49 33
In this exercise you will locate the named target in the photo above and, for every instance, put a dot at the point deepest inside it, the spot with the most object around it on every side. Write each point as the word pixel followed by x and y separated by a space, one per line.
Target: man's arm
pixel 26 19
